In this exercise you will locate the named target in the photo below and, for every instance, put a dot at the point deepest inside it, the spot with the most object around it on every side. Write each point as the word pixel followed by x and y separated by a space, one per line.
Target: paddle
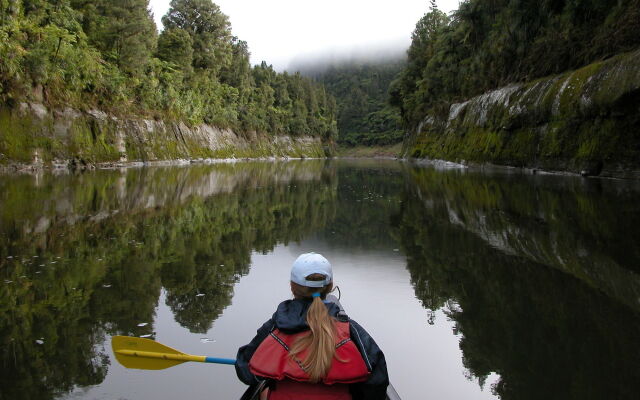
pixel 140 353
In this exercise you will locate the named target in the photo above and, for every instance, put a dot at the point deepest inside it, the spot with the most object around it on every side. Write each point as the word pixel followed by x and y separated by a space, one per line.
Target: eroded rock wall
pixel 33 135
pixel 585 121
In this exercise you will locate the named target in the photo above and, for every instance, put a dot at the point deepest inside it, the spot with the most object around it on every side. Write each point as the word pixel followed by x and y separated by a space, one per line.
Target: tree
pixel 490 43
pixel 209 28
pixel 405 92
pixel 176 46
pixel 238 73
pixel 86 53
pixel 8 9
pixel 361 90
pixel 123 31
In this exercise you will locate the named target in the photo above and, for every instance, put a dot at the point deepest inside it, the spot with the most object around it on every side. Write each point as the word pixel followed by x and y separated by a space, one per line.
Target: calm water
pixel 477 285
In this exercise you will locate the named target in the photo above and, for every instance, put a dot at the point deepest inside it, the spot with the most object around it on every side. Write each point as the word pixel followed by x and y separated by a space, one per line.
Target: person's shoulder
pixel 336 312
pixel 288 305
pixel 360 332
pixel 353 322
pixel 291 315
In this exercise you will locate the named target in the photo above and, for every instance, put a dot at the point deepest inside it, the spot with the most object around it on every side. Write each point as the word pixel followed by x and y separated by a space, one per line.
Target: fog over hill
pixel 312 64
pixel 359 79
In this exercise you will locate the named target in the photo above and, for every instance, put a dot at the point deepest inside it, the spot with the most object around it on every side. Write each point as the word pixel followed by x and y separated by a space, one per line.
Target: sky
pixel 284 31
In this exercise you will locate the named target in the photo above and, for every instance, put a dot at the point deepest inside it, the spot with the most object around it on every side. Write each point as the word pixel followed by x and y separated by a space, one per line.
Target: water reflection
pixel 84 256
pixel 369 195
pixel 538 275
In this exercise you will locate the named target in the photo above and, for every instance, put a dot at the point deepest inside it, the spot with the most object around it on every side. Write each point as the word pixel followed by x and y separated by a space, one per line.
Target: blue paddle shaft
pixel 216 360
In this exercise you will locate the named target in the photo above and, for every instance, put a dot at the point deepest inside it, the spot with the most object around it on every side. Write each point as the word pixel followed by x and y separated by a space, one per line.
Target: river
pixel 477 284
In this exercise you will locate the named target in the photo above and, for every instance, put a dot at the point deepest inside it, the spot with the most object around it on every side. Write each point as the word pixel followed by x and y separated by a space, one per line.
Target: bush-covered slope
pixel 361 90
pixel 107 55
pixel 550 84
pixel 585 121
pixel 487 44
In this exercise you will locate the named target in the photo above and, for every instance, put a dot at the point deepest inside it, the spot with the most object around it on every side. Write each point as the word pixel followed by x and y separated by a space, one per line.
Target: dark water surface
pixel 476 284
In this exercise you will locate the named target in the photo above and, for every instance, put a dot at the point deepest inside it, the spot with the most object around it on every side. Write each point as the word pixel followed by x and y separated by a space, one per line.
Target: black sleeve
pixel 375 387
pixel 246 352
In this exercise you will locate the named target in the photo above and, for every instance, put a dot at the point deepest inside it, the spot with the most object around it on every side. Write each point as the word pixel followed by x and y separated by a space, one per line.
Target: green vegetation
pixel 106 54
pixel 582 121
pixel 487 44
pixel 361 89
pixel 548 85
pixel 392 150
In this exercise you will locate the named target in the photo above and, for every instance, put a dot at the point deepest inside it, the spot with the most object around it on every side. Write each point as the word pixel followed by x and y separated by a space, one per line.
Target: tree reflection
pixel 477 246
pixel 539 275
pixel 91 258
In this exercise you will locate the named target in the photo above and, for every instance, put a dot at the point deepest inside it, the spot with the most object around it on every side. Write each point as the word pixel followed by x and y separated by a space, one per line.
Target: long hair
pixel 321 340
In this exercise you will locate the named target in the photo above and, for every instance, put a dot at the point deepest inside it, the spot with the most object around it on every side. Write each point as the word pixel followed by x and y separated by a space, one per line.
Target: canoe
pixel 253 391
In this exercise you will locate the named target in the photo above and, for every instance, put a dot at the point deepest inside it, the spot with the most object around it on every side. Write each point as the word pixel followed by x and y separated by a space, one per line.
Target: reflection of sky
pixel 423 360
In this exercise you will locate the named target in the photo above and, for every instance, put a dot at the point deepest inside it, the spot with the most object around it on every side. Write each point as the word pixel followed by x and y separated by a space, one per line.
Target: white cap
pixel 309 264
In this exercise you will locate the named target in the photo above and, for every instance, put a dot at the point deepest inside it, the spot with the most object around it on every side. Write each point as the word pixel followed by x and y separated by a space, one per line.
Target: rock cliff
pixel 585 121
pixel 35 136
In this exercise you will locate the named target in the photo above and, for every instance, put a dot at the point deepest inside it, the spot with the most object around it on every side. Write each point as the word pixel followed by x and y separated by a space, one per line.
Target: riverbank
pixel 33 136
pixel 392 151
pixel 583 122
pixel 69 165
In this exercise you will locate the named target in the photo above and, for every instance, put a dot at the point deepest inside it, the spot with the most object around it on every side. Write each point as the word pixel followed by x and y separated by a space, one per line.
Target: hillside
pixel 106 57
pixel 486 51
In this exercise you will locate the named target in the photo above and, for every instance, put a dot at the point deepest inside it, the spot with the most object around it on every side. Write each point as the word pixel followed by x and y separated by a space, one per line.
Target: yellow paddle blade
pixel 140 353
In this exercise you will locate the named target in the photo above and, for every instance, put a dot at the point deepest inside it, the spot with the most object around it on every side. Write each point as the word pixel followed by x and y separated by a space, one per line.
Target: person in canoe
pixel 311 350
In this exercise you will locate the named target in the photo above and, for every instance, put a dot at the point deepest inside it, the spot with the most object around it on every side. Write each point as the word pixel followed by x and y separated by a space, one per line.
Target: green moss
pixel 164 149
pixel 549 97
pixel 588 148
pixel 492 141
pixel 21 136
pixel 599 140
pixel 14 143
pixel 569 100
pixel 134 150
pixel 91 141
pixel 555 127
pixel 520 148
pixel 551 142
pixel 370 151
pixel 623 76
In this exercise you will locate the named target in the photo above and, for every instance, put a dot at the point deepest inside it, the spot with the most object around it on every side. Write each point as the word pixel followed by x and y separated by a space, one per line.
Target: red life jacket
pixel 272 360
pixel 293 390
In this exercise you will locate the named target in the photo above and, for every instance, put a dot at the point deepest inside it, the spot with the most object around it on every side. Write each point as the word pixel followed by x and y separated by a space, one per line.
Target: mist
pixel 318 62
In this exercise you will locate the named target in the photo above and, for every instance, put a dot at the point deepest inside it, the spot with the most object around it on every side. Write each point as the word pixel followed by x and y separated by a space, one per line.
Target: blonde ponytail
pixel 321 340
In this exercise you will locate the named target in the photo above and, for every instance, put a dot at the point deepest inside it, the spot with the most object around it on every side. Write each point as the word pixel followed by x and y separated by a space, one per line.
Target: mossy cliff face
pixel 585 121
pixel 34 135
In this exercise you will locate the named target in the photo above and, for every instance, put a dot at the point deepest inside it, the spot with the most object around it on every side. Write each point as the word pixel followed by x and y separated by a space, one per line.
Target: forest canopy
pixel 486 44
pixel 108 54
pixel 361 90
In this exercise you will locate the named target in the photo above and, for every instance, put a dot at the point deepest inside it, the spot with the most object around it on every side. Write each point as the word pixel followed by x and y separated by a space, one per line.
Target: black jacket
pixel 290 317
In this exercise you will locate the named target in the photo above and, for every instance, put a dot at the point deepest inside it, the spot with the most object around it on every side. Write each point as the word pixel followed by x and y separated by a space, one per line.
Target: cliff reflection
pixel 86 256
pixel 539 275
